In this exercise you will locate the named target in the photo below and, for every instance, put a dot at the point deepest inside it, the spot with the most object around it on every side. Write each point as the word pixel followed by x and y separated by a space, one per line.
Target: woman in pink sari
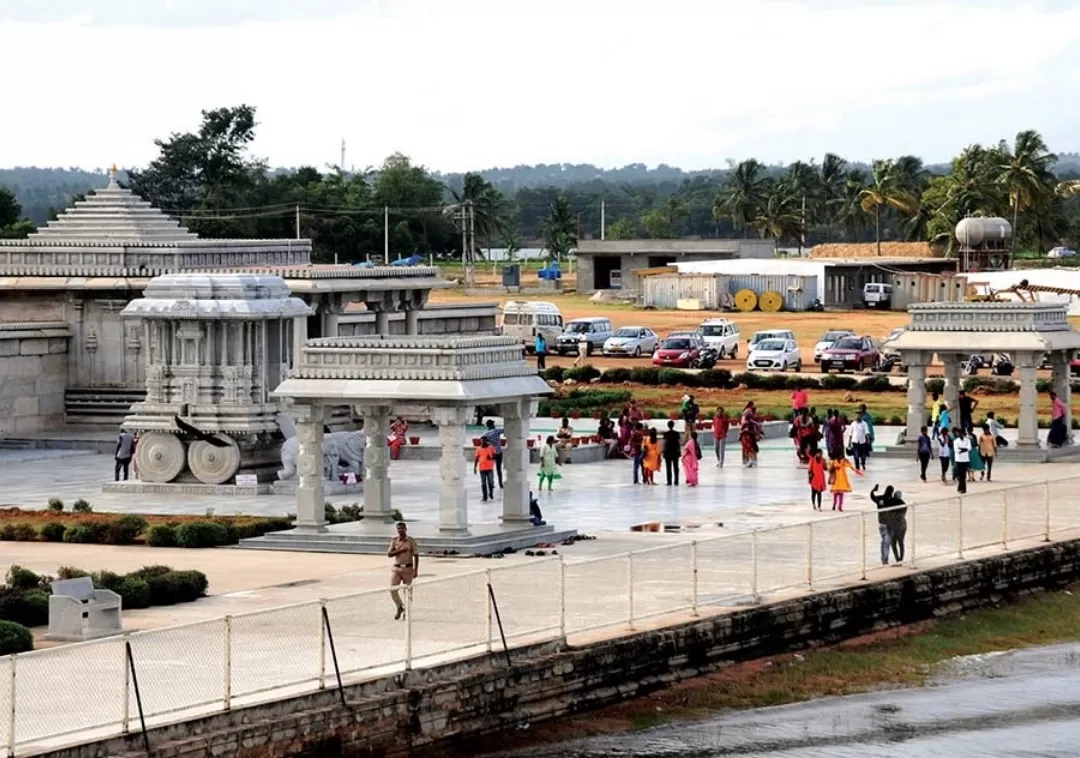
pixel 691 455
pixel 398 430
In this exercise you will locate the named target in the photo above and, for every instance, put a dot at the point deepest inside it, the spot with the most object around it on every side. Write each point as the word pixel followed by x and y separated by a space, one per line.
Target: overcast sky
pixel 469 84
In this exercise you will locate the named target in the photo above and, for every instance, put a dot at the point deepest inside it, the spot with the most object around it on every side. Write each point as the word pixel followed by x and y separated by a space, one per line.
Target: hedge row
pixel 127 529
pixel 24 596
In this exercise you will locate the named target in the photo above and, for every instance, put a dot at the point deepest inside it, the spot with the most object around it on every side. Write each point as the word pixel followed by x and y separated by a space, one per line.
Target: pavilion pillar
pixel 516 461
pixel 952 385
pixel 453 505
pixel 1028 423
pixel 412 321
pixel 376 462
pixel 916 396
pixel 299 338
pixel 1060 379
pixel 311 490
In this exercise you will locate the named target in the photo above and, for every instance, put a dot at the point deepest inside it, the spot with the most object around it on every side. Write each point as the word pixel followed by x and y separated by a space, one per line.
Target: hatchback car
pixel 774 355
pixel 829 339
pixel 850 354
pixel 679 351
pixel 631 341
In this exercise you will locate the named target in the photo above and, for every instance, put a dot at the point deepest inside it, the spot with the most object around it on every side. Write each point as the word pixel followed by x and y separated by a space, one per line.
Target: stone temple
pixel 69 357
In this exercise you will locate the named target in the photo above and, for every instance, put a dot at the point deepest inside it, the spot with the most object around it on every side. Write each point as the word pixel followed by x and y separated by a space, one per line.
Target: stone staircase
pixel 99 406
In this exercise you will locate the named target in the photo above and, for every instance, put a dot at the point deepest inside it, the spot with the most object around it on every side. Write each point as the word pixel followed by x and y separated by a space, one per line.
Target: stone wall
pixel 33 375
pixel 462 319
pixel 428 709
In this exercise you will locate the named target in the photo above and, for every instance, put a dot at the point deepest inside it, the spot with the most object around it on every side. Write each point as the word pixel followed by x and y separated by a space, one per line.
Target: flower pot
pixel 476 441
pixel 674 416
pixel 575 441
pixel 502 441
pixel 530 444
pixel 555 415
pixel 414 440
pixel 597 415
pixel 596 438
pixel 575 414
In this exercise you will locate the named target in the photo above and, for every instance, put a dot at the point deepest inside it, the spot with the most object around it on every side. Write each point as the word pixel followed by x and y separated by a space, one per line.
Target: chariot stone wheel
pixel 213 465
pixel 160 457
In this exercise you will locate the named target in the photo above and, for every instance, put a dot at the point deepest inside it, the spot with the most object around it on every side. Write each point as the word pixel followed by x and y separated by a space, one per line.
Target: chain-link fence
pixel 89 688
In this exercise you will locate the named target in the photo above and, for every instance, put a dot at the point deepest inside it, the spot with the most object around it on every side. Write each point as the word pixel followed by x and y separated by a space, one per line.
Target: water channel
pixel 1018 703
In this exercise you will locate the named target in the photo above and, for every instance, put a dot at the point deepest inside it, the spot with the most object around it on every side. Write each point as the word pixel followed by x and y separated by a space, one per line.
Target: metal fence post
pixel 408 627
pixel 562 598
pixel 694 569
pixel 862 523
pixel 11 701
pixel 127 687
pixel 1004 519
pixel 487 605
pixel 753 567
pixel 322 643
pixel 960 528
pixel 630 593
pixel 810 554
pixel 1046 499
pixel 227 664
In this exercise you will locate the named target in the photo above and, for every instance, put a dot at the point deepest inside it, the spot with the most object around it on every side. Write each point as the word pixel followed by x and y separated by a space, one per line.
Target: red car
pixel 850 354
pixel 679 351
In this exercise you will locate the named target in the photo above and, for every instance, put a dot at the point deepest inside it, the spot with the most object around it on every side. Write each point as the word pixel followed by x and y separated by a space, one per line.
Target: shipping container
pixel 798 291
pixel 927 288
pixel 666 290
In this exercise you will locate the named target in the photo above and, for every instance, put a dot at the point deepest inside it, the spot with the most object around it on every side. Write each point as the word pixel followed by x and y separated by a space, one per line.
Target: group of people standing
pixel 961 451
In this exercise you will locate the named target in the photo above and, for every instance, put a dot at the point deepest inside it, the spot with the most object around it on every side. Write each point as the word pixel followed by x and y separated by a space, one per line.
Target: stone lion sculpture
pixel 350 450
pixel 342 451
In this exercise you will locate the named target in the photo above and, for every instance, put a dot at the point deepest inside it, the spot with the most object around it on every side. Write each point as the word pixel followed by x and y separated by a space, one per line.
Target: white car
pixel 631 341
pixel 722 335
pixel 1061 252
pixel 774 355
pixel 829 339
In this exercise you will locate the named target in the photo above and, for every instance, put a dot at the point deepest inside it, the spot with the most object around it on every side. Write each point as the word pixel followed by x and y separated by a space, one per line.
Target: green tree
pixel 780 217
pixel 742 195
pixel 886 190
pixel 850 213
pixel 657 225
pixel 831 186
pixel 560 229
pixel 490 208
pixel 12 224
pixel 418 223
pixel 1026 175
pixel 804 182
pixel 623 229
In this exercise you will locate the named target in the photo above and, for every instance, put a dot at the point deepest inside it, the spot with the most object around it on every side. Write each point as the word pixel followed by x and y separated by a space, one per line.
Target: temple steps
pixel 100 406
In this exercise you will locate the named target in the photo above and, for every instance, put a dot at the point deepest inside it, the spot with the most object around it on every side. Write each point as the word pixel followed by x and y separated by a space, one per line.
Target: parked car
pixel 877 295
pixel 722 335
pixel 679 351
pixel 631 340
pixel 525 318
pixel 850 354
pixel 774 355
pixel 769 334
pixel 1061 252
pixel 596 329
pixel 829 339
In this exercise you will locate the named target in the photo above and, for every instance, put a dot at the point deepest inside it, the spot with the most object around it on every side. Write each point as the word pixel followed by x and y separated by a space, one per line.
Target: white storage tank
pixel 977 232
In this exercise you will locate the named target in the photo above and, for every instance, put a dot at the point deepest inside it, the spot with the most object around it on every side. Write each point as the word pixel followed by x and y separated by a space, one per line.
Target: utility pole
pixel 298 221
pixel 603 219
pixel 342 164
pixel 386 235
pixel 472 242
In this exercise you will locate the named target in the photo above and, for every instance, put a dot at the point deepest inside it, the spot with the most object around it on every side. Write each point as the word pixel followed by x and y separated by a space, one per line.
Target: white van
pixel 722 335
pixel 877 295
pixel 524 319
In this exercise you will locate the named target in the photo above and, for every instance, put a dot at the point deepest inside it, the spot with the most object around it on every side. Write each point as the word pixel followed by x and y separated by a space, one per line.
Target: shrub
pixel 1044 385
pixel 554 374
pixel 935 385
pixel 749 380
pixel 995 386
pixel 107 580
pixel 81 506
pixel 583 374
pixel 85 533
pixel 70 572
pixel 809 382
pixel 675 376
pixel 35 605
pixel 875 383
pixel 124 530
pixel 836 382
pixel 55 504
pixel 161 535
pixel 19 578
pixel 190 585
pixel 24 533
pixel 7 532
pixel 616 376
pixel 714 377
pixel 200 534
pixel 148 571
pixel 896 421
pixel 53 531
pixel 15 638
pixel 645 375
pixel 162 589
pixel 134 592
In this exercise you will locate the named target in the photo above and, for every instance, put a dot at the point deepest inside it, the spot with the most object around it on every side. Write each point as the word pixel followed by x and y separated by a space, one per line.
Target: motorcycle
pixel 816 306
pixel 707 358
pixel 1002 366
pixel 973 365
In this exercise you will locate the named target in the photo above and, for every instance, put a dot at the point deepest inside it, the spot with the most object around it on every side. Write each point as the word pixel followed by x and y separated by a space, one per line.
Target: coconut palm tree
pixel 560 228
pixel 742 195
pixel 849 209
pixel 490 207
pixel 1026 173
pixel 805 183
pixel 780 217
pixel 886 190
pixel 831 185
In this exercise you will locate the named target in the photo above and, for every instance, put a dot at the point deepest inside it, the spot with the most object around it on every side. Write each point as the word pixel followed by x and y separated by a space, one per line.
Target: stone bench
pixel 78 611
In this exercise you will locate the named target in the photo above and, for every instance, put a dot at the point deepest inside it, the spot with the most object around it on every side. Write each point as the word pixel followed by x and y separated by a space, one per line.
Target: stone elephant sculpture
pixel 290 452
pixel 350 447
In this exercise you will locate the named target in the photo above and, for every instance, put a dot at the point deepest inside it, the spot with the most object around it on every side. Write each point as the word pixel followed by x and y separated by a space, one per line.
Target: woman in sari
pixel 398 429
pixel 691 455
pixel 748 436
pixel 805 435
pixel 650 462
pixel 549 466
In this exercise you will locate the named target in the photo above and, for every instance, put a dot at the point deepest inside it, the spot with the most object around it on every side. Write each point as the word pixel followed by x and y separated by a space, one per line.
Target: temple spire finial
pixel 112 177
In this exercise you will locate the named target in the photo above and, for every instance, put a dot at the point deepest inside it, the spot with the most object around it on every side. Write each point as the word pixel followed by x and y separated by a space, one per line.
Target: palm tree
pixel 850 212
pixel 489 206
pixel 805 183
pixel 1026 173
pixel 886 190
pixel 780 217
pixel 560 229
pixel 831 185
pixel 742 195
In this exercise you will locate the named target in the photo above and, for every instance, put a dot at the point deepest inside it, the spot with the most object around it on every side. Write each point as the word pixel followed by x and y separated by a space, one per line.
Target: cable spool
pixel 746 300
pixel 771 301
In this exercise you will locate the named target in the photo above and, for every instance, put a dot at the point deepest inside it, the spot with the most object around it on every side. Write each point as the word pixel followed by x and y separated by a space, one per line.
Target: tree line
pixel 211 181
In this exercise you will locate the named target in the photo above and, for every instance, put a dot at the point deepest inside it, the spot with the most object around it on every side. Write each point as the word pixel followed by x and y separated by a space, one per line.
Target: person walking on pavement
pixel 924 451
pixel 689 412
pixel 962 452
pixel 493 436
pixel 817 472
pixel 672 453
pixel 944 452
pixel 405 555
pixel 549 464
pixel 485 464
pixel 637 451
pixel 540 348
pixel 721 423
pixel 125 449
pixel 988 449
pixel 582 349
pixel 860 442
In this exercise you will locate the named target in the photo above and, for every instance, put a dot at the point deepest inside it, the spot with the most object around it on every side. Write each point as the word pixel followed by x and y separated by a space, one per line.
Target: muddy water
pixel 1021 703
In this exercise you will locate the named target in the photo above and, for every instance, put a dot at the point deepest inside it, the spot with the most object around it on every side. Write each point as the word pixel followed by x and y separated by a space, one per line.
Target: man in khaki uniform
pixel 405 554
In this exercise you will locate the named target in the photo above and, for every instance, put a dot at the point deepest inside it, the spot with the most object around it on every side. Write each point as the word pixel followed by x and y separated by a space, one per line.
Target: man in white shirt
pixel 860 442
pixel 962 452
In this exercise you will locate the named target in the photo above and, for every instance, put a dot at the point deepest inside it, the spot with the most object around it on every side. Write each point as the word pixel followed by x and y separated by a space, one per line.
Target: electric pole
pixel 603 219
pixel 472 242
pixel 298 221
pixel 386 235
pixel 342 165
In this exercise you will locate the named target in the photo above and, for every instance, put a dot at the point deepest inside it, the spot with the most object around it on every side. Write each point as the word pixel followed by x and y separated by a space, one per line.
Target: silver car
pixel 631 341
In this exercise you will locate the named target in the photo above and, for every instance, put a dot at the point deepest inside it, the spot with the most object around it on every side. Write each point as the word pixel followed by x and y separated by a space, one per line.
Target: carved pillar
pixel 1028 425
pixel 1059 364
pixel 916 396
pixel 332 312
pixel 516 461
pixel 453 505
pixel 376 462
pixel 311 492
pixel 299 338
pixel 952 385
pixel 412 321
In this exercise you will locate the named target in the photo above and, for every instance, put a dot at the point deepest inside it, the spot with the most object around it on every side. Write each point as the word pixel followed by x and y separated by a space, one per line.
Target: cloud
pixel 176 13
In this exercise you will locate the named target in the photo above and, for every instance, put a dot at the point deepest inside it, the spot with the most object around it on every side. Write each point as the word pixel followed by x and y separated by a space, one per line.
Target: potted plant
pixel 597 415
pixel 476 441
pixel 674 415
pixel 575 414
pixel 414 440
pixel 530 443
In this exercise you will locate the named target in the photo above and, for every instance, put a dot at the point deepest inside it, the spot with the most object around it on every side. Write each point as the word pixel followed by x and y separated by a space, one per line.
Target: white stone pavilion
pixel 1028 332
pixel 440 379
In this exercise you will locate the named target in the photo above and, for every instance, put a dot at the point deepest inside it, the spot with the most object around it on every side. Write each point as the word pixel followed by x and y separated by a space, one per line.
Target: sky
pixel 471 84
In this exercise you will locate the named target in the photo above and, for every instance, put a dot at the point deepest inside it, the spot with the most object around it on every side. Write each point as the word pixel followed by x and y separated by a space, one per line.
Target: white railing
pixel 84 691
